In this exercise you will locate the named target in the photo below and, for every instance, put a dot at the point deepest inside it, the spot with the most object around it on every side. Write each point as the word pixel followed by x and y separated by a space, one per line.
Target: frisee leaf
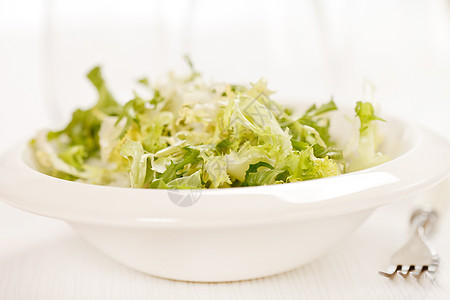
pixel 190 133
pixel 106 102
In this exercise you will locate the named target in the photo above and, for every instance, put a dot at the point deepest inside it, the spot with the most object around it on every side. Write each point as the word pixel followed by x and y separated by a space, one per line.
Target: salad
pixel 187 133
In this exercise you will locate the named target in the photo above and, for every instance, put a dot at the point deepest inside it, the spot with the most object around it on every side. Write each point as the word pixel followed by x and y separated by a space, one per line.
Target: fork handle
pixel 424 218
pixel 432 205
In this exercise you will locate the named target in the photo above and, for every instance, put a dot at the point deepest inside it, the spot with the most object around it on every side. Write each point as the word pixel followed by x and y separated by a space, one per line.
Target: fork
pixel 417 256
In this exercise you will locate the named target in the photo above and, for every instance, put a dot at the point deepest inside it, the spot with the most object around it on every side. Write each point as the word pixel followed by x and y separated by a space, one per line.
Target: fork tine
pixel 390 273
pixel 431 275
pixel 405 270
pixel 431 272
pixel 418 270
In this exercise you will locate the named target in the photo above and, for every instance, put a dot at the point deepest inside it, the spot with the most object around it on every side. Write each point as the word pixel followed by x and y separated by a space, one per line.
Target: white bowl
pixel 229 234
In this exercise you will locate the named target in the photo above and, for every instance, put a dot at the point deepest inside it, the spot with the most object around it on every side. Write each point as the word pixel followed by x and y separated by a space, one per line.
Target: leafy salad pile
pixel 187 133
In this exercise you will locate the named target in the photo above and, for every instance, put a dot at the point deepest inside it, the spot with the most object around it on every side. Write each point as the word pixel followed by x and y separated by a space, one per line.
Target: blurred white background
pixel 307 49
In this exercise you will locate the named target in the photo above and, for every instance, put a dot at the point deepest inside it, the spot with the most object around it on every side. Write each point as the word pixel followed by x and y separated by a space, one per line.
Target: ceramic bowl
pixel 229 234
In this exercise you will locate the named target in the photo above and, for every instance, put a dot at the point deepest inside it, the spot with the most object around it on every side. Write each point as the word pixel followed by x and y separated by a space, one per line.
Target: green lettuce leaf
pixel 303 165
pixel 191 157
pixel 313 126
pixel 131 111
pixel 261 173
pixel 74 156
pixel 106 102
pixel 83 129
pixel 186 182
pixel 140 169
pixel 361 151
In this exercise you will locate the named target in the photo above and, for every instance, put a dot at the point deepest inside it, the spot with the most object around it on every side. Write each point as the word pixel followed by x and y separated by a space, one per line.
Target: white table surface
pixel 42 258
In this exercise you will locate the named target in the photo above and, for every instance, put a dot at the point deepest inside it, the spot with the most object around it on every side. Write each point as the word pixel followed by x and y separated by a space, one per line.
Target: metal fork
pixel 417 256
